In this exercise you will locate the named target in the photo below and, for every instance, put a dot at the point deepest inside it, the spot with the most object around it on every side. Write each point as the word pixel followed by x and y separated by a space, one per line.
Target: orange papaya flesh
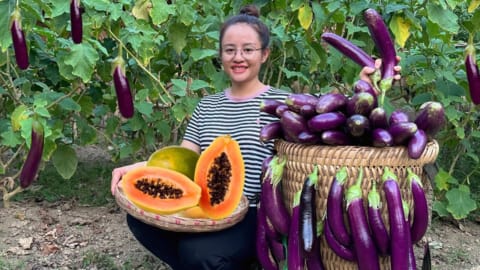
pixel 160 190
pixel 193 212
pixel 220 172
pixel 175 157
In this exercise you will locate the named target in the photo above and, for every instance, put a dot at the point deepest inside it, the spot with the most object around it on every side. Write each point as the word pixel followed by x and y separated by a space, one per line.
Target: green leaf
pixel 82 59
pixel 5 37
pixel 141 8
pixel 65 161
pixel 440 208
pixel 199 84
pixel 42 111
pixel 446 19
pixel 69 104
pixel 305 16
pixel 401 30
pixel 473 5
pixel 160 11
pixel 19 114
pixel 59 7
pixel 178 36
pixel 179 87
pixel 199 54
pixel 460 203
pixel 442 180
pixel 144 107
pixel 10 138
pixel 186 13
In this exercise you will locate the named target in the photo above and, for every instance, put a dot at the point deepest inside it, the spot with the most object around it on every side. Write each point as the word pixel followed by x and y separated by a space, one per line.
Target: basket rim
pixel 177 223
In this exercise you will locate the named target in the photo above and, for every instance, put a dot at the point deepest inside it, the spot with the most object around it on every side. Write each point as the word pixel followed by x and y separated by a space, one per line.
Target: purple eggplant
pixel 364 86
pixel 272 196
pixel 420 207
pixel 270 106
pixel 349 49
pixel 473 75
pixel 296 100
pixel 431 118
pixel 271 131
pixel 308 223
pixel 313 259
pixel 342 251
pixel 402 132
pixel 335 212
pixel 18 39
pixel 417 144
pixel 330 102
pixel 362 240
pixel 412 264
pixel 34 157
pixel 427 260
pixel 293 123
pixel 381 138
pixel 277 250
pixel 398 116
pixel 358 125
pixel 399 229
pixel 335 137
pixel 307 110
pixel 122 88
pixel 295 256
pixel 361 103
pixel 281 109
pixel 326 121
pixel 261 243
pixel 76 21
pixel 379 232
pixel 308 137
pixel 378 118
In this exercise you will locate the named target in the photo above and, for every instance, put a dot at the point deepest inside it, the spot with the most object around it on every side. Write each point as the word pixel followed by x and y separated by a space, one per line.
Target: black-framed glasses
pixel 245 52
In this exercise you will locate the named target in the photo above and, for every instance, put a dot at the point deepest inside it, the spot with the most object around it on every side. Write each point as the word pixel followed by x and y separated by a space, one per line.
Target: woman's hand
pixel 117 174
pixel 367 71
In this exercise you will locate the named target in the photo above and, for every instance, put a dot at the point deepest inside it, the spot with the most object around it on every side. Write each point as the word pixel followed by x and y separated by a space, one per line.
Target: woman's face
pixel 241 53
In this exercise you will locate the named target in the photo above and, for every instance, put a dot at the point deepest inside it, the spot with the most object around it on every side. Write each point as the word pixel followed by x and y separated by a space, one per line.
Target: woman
pixel 244 42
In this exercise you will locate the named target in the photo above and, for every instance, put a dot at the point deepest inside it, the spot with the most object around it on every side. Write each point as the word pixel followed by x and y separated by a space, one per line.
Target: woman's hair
pixel 249 15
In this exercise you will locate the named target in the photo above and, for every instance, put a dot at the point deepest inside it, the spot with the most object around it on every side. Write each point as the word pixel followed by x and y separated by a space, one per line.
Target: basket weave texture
pixel 176 223
pixel 301 160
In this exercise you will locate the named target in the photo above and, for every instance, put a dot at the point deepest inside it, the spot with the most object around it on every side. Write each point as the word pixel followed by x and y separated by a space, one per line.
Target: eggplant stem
pixel 8 195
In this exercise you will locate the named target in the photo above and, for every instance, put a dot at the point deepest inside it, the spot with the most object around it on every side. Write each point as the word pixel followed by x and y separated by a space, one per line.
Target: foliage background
pixel 171 52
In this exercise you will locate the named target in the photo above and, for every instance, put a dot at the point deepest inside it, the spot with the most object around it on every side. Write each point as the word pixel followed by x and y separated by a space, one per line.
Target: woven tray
pixel 177 223
pixel 301 160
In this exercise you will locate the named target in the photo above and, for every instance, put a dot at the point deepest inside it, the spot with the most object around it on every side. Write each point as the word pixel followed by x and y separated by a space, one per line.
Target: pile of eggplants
pixel 367 234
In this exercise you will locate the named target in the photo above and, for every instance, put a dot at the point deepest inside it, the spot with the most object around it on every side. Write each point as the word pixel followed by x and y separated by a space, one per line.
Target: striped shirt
pixel 220 114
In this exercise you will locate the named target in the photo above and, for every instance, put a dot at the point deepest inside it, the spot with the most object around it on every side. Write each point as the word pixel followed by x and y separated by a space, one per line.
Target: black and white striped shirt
pixel 220 114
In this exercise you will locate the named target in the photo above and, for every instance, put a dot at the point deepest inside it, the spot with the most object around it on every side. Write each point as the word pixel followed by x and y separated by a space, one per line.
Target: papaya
pixel 220 172
pixel 160 190
pixel 175 157
pixel 193 212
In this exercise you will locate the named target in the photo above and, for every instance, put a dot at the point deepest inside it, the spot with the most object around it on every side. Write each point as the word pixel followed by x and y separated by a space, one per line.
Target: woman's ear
pixel 265 54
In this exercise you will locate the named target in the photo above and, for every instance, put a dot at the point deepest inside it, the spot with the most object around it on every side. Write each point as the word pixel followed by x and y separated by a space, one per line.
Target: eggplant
pixel 308 223
pixel 361 103
pixel 417 144
pixel 412 264
pixel 431 118
pixel 362 239
pixel 76 21
pixel 378 118
pixel 281 109
pixel 402 132
pixel 335 137
pixel 427 260
pixel 295 258
pixel 340 250
pixel 308 137
pixel 349 49
pixel 18 39
pixel 277 251
pixel 399 229
pixel 122 88
pixel 272 196
pixel 271 131
pixel 473 75
pixel 261 244
pixel 330 102
pixel 364 86
pixel 293 123
pixel 379 232
pixel 335 210
pixel 381 138
pixel 270 106
pixel 32 162
pixel 383 42
pixel 307 110
pixel 398 116
pixel 313 259
pixel 296 100
pixel 357 125
pixel 326 121
pixel 420 207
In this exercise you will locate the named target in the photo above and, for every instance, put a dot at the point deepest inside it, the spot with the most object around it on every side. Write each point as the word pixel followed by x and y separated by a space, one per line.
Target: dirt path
pixel 63 236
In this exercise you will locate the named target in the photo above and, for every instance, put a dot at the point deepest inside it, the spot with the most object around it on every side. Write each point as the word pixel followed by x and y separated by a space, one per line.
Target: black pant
pixel 229 249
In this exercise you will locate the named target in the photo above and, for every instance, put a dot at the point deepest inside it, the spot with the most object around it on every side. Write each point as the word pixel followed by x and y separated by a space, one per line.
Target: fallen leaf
pixel 26 243
pixel 49 248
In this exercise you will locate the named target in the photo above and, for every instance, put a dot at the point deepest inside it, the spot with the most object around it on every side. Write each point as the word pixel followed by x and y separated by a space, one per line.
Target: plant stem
pixel 8 195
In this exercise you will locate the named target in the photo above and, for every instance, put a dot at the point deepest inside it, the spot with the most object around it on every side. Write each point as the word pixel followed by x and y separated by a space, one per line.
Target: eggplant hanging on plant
pixel 122 87
pixel 18 39
pixel 34 157
pixel 76 21
pixel 473 75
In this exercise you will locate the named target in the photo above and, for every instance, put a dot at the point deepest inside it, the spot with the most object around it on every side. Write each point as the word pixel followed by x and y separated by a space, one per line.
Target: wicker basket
pixel 301 160
pixel 178 223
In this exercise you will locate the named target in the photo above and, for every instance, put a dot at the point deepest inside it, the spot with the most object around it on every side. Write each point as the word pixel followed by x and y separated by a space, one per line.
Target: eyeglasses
pixel 245 52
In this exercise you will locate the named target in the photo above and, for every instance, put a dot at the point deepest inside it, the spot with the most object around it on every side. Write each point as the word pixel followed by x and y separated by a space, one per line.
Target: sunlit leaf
pixel 401 29
pixel 305 16
pixel 473 5
pixel 141 9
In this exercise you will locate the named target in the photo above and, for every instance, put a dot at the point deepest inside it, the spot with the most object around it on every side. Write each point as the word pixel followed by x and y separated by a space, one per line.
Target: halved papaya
pixel 193 212
pixel 175 157
pixel 220 172
pixel 160 190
